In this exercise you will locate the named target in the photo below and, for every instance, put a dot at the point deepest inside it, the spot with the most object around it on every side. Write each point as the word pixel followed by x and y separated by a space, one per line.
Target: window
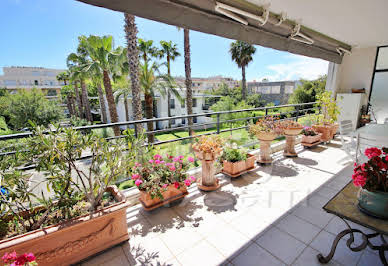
pixel 51 93
pixel 10 82
pixel 173 121
pixel 195 119
pixel 275 89
pixel 194 102
pixel 36 82
pixel 183 104
pixel 288 89
pixel 183 121
pixel 172 103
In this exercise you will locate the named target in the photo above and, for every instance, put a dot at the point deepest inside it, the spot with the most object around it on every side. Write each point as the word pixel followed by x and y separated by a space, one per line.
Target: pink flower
pixel 176 184
pixel 172 168
pixel 372 152
pixel 164 186
pixel 137 164
pixel 181 157
pixel 359 180
pixel 187 182
pixel 151 161
pixel 157 161
pixel 169 164
pixel 157 156
pixel 30 257
pixel 176 159
pixel 8 257
pixel 190 159
pixel 192 178
pixel 138 182
pixel 135 176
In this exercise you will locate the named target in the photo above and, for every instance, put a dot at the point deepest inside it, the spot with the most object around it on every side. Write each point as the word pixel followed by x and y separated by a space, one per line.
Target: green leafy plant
pixel 234 154
pixel 329 107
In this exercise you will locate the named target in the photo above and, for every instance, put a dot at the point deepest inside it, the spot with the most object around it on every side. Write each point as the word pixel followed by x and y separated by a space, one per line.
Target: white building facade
pixel 19 77
pixel 203 85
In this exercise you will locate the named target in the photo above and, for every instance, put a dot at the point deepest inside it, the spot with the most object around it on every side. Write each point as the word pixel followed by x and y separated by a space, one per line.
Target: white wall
pixel 355 72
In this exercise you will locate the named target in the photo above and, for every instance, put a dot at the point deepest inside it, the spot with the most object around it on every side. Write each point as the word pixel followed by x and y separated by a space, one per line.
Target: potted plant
pixel 290 129
pixel 310 136
pixel 372 178
pixel 330 111
pixel 13 259
pixel 236 161
pixel 162 180
pixel 265 130
pixel 207 149
pixel 79 215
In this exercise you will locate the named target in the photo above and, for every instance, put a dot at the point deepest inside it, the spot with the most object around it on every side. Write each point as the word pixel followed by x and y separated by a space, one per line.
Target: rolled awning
pixel 201 15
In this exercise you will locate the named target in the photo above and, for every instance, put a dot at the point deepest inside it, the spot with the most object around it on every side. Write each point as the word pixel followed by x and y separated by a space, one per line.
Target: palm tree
pixel 67 92
pixel 97 80
pixel 189 92
pixel 122 89
pixel 74 82
pixel 170 51
pixel 133 61
pixel 242 54
pixel 147 49
pixel 76 62
pixel 151 83
pixel 107 61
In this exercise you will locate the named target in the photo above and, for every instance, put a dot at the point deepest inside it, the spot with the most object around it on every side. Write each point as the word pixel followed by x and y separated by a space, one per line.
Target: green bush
pixel 233 155
pixel 4 130
pixel 32 105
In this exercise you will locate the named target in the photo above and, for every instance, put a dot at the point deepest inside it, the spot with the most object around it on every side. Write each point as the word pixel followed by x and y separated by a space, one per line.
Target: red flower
pixel 30 257
pixel 372 152
pixel 176 184
pixel 359 180
pixel 8 257
pixel 21 260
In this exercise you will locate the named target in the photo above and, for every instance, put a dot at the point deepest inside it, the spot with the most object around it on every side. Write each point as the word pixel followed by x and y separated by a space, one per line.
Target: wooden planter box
pixel 76 239
pixel 171 194
pixel 238 168
pixel 325 130
pixel 311 139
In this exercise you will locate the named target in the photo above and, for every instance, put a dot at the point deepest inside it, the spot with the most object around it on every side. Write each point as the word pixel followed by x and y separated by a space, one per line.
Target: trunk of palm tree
pixel 85 100
pixel 102 103
pixel 69 105
pixel 133 60
pixel 78 100
pixel 189 92
pixel 168 92
pixel 126 107
pixel 111 102
pixel 149 115
pixel 244 84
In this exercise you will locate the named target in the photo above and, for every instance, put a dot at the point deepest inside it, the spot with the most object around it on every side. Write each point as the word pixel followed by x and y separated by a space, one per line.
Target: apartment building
pixel 277 92
pixel 203 85
pixel 20 77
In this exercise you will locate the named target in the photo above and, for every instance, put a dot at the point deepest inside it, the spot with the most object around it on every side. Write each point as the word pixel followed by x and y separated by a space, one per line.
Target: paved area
pixel 271 216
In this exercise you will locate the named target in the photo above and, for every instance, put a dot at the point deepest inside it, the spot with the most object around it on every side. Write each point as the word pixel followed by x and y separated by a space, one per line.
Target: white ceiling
pixel 359 23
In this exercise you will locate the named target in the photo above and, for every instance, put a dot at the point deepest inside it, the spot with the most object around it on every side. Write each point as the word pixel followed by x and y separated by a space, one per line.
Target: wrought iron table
pixel 345 206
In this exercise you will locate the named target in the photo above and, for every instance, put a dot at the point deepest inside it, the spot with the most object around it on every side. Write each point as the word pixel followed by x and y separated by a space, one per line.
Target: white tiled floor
pixel 272 216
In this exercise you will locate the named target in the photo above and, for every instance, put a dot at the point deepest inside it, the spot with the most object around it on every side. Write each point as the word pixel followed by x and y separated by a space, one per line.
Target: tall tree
pixel 242 54
pixel 147 49
pixel 189 92
pixel 68 92
pixel 133 61
pixel 107 60
pixel 75 62
pixel 170 51
pixel 150 83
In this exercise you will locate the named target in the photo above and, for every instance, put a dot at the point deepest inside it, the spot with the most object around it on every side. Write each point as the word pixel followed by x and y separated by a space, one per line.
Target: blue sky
pixel 43 32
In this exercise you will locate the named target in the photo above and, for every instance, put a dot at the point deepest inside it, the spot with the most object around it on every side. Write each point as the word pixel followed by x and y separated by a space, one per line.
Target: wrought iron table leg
pixel 323 259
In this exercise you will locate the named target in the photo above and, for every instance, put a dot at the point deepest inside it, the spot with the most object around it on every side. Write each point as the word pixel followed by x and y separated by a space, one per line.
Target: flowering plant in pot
pixel 265 130
pixel 78 206
pixel 13 259
pixel 330 111
pixel 310 136
pixel 207 149
pixel 236 160
pixel 162 179
pixel 372 178
pixel 289 127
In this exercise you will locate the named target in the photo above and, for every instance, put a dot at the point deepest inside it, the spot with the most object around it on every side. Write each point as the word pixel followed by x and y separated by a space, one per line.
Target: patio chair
pixel 347 136
pixel 386 120
pixel 367 141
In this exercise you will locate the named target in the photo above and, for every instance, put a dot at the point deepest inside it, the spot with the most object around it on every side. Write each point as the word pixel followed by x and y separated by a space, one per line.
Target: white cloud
pixel 298 67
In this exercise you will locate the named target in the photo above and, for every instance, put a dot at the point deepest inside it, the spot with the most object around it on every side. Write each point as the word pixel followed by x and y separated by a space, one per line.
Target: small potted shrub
pixel 162 180
pixel 237 161
pixel 207 149
pixel 327 122
pixel 265 130
pixel 81 213
pixel 372 178
pixel 310 136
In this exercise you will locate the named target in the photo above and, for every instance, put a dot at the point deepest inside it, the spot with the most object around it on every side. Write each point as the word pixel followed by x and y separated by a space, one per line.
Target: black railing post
pixel 135 130
pixel 297 113
pixel 218 123
pixel 266 111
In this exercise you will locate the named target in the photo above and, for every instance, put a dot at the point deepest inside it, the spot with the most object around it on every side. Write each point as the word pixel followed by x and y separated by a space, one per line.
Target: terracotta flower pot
pixel 311 139
pixel 171 194
pixel 293 131
pixel 76 239
pixel 334 129
pixel 266 136
pixel 207 156
pixel 237 168
pixel 325 130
